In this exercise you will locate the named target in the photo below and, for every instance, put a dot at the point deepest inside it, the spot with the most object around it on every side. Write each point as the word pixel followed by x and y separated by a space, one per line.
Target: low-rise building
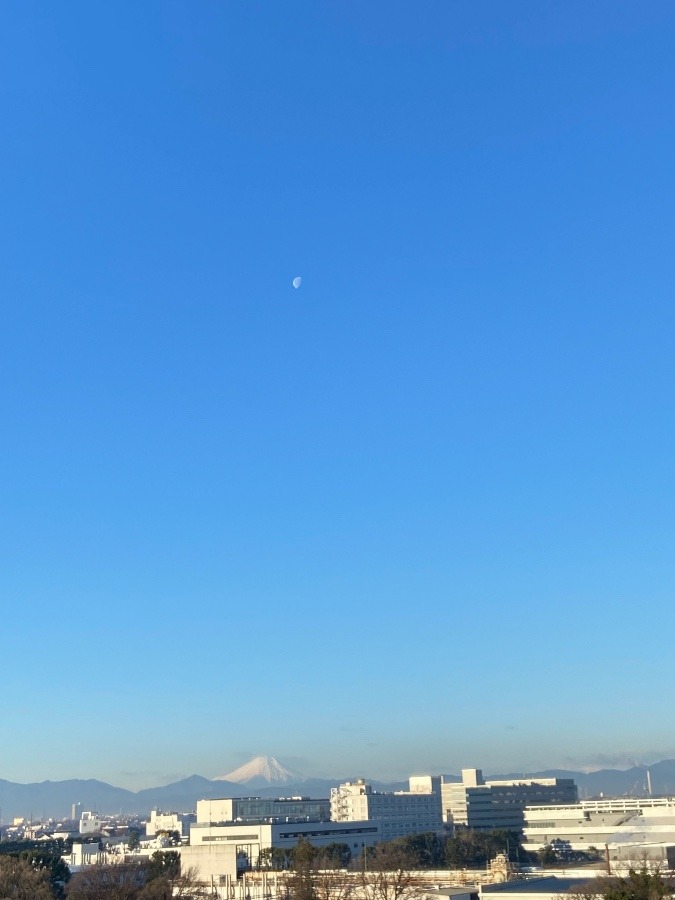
pixel 90 823
pixel 220 853
pixel 169 822
pixel 83 855
pixel 597 823
pixel 543 888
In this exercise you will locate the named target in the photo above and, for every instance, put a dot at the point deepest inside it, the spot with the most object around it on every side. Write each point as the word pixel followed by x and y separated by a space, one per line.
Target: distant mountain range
pixel 55 798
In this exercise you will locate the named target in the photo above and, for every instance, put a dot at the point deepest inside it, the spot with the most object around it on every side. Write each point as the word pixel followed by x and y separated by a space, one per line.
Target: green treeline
pixel 465 850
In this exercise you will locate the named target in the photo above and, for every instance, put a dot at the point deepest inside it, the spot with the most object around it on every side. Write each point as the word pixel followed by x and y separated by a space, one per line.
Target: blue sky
pixel 417 514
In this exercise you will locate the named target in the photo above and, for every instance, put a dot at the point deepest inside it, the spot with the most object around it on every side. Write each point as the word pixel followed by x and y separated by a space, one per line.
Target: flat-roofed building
pixel 90 823
pixel 398 813
pixel 169 822
pixel 596 823
pixel 222 852
pixel 261 809
pixel 543 888
pixel 484 805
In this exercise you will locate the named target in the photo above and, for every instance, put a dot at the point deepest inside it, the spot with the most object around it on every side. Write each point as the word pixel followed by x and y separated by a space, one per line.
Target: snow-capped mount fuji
pixel 262 771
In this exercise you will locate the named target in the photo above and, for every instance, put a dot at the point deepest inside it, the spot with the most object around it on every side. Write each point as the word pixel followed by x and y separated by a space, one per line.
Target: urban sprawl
pixel 531 838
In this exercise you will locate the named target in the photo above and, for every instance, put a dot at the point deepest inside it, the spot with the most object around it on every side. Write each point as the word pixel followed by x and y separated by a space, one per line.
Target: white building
pixel 627 821
pixel 82 855
pixel 397 813
pixel 221 852
pixel 261 809
pixel 90 823
pixel 484 805
pixel 169 822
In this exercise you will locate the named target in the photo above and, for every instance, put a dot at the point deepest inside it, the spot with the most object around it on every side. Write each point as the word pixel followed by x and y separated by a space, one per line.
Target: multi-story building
pixel 396 813
pixel 597 823
pixel 221 852
pixel 485 805
pixel 261 809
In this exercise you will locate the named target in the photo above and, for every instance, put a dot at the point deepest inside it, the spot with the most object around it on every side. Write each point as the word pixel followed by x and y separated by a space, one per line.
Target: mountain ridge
pixel 54 798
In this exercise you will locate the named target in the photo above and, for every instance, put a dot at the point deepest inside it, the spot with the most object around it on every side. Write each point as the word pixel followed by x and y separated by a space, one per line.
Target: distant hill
pixel 183 795
pixel 55 798
pixel 616 782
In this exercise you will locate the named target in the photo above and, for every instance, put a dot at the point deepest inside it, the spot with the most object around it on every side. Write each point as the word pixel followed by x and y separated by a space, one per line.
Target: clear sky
pixel 417 514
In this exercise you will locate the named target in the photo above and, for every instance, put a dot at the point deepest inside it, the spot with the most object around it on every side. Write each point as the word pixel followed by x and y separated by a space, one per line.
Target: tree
pixel 50 862
pixel 101 882
pixel 182 885
pixel 470 849
pixel 157 889
pixel 164 864
pixel 316 873
pixel 643 885
pixel 300 882
pixel 637 885
pixel 388 874
pixel 173 837
pixel 427 848
pixel 641 860
pixel 333 856
pixel 333 884
pixel 21 881
pixel 275 858
pixel 547 856
pixel 134 841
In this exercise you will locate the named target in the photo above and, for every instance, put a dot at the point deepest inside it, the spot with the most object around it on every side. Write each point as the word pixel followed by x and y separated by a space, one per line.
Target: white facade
pixel 398 813
pixel 597 823
pixel 425 784
pixel 90 823
pixel 484 805
pixel 82 855
pixel 220 852
pixel 169 822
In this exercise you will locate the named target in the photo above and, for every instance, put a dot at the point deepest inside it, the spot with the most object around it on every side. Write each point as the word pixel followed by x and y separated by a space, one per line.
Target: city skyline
pixel 414 514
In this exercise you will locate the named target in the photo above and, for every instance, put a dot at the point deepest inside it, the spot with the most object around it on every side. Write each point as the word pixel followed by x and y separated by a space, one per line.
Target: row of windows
pixel 307 834
pixel 230 837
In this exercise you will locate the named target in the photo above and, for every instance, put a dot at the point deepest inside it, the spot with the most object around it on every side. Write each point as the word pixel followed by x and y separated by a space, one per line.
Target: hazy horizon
pixel 136 781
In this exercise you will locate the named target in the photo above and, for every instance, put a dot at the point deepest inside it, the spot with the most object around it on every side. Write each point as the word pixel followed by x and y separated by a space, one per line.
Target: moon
pixel 297 281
